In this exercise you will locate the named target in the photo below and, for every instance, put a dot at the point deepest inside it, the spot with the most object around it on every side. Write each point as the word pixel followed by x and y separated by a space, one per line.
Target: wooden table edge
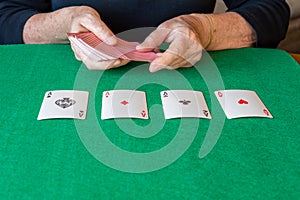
pixel 296 57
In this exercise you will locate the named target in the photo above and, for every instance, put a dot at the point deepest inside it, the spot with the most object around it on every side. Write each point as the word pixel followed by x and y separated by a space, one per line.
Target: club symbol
pixel 49 94
pixel 81 113
pixel 143 113
pixel 185 102
pixel 165 94
pixel 205 112
pixel 107 94
pixel 65 102
pixel 242 101
pixel 124 102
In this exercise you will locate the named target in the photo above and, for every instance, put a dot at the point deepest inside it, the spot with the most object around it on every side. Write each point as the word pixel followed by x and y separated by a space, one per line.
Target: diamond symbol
pixel 124 102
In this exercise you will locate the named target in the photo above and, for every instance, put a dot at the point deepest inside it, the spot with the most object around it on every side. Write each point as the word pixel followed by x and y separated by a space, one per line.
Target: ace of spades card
pixel 64 104
pixel 124 104
pixel 183 104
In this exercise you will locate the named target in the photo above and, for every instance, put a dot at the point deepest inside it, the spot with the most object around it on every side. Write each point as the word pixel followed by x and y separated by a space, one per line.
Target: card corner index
pixel 162 92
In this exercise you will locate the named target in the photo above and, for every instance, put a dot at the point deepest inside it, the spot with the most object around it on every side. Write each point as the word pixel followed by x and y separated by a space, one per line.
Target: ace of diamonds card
pixel 124 104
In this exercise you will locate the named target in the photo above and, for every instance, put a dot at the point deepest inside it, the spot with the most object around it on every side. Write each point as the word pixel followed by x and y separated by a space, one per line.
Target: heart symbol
pixel 266 112
pixel 65 102
pixel 242 101
pixel 220 94
pixel 143 113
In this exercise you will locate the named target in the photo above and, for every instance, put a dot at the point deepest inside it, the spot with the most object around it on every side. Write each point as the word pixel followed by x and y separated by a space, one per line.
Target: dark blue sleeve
pixel 269 19
pixel 13 16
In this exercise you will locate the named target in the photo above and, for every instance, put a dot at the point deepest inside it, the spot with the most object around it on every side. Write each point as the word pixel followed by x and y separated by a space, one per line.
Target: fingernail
pixel 138 47
pixel 117 62
pixel 153 68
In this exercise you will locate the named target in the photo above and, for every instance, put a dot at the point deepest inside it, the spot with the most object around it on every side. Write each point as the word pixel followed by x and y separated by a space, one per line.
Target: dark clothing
pixel 269 18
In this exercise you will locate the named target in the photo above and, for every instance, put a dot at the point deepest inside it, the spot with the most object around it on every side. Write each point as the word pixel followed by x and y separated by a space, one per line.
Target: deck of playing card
pixel 184 103
pixel 124 104
pixel 242 103
pixel 96 49
pixel 64 104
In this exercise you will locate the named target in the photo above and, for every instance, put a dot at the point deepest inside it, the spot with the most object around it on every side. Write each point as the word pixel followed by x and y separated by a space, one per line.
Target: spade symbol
pixel 49 94
pixel 165 94
pixel 205 112
pixel 81 113
pixel 65 102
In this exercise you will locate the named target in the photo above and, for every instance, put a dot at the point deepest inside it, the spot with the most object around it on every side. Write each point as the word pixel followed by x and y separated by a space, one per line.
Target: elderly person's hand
pixel 188 35
pixel 185 44
pixel 72 19
pixel 87 19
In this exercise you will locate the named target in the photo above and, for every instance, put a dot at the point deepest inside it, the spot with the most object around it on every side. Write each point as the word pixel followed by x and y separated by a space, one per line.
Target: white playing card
pixel 64 104
pixel 184 103
pixel 242 103
pixel 124 104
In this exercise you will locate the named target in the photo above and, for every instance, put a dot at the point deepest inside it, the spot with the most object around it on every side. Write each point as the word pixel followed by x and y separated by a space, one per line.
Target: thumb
pixel 155 39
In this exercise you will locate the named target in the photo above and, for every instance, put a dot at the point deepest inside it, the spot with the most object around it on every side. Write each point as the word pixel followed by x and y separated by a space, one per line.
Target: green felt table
pixel 246 158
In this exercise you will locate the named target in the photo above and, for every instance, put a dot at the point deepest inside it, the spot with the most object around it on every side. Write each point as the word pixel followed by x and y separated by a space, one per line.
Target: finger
pixel 120 63
pixel 171 58
pixel 101 30
pixel 177 55
pixel 94 24
pixel 92 64
pixel 155 39
pixel 168 61
pixel 159 63
pixel 185 48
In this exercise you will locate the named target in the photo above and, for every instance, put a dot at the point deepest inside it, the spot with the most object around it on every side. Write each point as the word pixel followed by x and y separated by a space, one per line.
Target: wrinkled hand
pixel 88 19
pixel 185 47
